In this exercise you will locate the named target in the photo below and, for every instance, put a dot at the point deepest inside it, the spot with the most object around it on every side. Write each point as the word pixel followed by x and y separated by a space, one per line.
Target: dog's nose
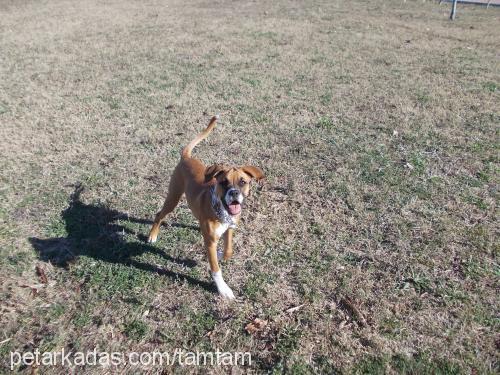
pixel 233 193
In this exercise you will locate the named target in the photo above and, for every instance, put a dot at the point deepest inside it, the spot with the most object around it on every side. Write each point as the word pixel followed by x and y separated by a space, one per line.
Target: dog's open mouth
pixel 234 208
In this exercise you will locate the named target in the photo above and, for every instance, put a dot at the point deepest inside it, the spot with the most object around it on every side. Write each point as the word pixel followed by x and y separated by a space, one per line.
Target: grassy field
pixel 376 124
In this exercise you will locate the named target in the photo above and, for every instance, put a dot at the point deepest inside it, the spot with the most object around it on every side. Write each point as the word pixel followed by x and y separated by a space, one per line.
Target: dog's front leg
pixel 211 246
pixel 228 244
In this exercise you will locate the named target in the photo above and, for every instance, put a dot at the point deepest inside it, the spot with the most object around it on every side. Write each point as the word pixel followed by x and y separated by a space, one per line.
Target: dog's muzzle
pixel 233 200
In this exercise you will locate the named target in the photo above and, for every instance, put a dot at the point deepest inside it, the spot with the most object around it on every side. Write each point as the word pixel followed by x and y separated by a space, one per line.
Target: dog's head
pixel 233 184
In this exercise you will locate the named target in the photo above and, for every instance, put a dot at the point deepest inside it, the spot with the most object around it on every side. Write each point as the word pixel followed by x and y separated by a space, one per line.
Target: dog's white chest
pixel 221 229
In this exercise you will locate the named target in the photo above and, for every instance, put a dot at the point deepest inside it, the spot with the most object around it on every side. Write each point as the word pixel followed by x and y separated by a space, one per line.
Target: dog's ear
pixel 213 171
pixel 254 172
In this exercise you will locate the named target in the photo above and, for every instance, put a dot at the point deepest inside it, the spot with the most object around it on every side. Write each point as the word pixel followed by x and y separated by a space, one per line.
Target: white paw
pixel 224 290
pixel 152 239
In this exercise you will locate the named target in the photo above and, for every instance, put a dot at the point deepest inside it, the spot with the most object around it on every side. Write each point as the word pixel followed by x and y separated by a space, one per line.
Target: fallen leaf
pixel 255 326
pixel 41 274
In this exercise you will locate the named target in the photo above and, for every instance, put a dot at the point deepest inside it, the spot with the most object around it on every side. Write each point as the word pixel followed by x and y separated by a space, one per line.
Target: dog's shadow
pixel 93 231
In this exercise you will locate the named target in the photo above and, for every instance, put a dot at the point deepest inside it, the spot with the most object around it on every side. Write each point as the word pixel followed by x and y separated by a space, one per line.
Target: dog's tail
pixel 186 151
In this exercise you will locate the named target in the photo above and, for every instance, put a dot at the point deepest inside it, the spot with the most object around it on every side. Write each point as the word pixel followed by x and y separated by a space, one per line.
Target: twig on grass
pixel 293 309
pixel 348 304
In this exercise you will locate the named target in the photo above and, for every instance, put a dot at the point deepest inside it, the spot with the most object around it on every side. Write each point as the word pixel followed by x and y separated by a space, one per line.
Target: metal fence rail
pixel 487 3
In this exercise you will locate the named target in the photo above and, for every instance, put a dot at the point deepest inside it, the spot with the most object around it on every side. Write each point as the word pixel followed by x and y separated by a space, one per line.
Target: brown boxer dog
pixel 214 194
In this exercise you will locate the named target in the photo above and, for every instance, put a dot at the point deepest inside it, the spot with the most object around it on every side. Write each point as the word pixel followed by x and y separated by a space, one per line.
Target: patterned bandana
pixel 219 209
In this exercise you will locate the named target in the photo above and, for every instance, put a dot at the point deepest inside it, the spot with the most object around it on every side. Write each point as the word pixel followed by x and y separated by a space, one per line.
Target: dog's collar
pixel 219 209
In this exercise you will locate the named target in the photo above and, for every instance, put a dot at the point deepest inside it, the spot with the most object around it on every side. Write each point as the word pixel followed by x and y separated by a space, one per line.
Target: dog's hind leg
pixel 175 191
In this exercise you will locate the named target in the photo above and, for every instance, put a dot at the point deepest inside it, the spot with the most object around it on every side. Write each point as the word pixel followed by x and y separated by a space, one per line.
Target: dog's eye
pixel 242 182
pixel 224 182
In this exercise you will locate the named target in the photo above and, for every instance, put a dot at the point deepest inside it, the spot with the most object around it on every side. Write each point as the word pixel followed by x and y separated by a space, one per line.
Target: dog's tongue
pixel 234 208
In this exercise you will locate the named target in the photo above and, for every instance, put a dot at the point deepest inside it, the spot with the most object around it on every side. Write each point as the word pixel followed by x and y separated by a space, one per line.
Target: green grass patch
pixel 326 98
pixel 3 108
pixel 288 341
pixel 491 86
pixel 325 122
pixel 136 329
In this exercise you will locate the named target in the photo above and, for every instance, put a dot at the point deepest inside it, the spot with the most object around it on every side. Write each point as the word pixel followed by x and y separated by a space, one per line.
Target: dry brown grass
pixel 376 123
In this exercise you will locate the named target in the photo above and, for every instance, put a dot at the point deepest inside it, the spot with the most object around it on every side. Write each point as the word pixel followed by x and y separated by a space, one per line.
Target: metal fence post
pixel 453 10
